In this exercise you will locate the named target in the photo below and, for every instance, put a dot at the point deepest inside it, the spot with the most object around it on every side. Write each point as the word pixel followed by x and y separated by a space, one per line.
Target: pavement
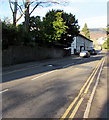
pixel 36 63
pixel 100 103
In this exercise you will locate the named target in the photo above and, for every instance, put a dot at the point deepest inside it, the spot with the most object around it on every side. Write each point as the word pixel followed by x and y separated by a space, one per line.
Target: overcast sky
pixel 92 12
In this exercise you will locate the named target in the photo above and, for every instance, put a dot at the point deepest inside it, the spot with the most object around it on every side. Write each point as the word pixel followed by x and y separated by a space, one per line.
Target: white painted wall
pixel 80 41
pixel 73 45
pixel 101 40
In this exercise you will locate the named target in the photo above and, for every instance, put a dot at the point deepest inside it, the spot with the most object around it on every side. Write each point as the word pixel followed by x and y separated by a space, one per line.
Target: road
pixel 48 89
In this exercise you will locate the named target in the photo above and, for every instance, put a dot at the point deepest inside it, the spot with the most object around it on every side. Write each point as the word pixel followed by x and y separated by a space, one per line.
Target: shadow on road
pixel 46 68
pixel 50 98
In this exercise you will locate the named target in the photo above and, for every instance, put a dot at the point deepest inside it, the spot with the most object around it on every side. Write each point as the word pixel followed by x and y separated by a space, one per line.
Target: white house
pixel 81 43
pixel 101 40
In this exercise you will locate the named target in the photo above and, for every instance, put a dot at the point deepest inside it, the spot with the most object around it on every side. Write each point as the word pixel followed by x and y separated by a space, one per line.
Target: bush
pixel 12 35
pixel 9 33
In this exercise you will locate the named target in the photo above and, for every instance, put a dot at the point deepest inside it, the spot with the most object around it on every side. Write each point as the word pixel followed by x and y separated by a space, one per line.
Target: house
pixel 98 35
pixel 80 43
pixel 101 40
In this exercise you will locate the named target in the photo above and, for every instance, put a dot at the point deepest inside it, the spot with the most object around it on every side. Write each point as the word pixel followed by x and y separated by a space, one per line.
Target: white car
pixel 84 54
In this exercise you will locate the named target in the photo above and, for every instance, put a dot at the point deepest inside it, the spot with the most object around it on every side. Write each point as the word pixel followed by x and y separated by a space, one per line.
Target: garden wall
pixel 22 54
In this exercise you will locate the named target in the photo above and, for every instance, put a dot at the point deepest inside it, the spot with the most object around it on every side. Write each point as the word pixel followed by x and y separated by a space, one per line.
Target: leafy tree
pixel 14 35
pixel 36 30
pixel 48 26
pixel 9 33
pixel 106 43
pixel 59 26
pixel 23 37
pixel 73 28
pixel 57 19
pixel 56 27
pixel 86 31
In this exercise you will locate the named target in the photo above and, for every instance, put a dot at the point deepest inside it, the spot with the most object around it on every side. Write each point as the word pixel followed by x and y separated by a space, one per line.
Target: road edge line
pixel 4 91
pixel 80 92
pixel 43 75
pixel 87 111
pixel 85 92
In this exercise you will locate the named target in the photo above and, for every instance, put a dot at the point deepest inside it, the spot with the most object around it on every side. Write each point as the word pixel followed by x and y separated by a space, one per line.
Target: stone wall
pixel 22 54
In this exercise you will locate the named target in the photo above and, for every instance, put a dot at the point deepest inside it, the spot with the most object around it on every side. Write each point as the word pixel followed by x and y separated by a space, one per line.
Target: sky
pixel 108 13
pixel 92 12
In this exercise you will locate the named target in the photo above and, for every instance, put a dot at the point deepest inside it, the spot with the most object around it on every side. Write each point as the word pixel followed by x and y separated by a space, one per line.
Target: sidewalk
pixel 100 103
pixel 36 63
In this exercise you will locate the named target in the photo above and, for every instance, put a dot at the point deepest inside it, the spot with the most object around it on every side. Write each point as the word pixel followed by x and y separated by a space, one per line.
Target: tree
pixel 73 28
pixel 27 14
pixel 59 26
pixel 86 31
pixel 9 33
pixel 36 30
pixel 35 4
pixel 14 11
pixel 24 9
pixel 14 35
pixel 106 43
pixel 107 29
pixel 54 26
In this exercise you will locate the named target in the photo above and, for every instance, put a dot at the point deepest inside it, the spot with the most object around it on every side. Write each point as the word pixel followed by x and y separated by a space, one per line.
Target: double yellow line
pixel 83 91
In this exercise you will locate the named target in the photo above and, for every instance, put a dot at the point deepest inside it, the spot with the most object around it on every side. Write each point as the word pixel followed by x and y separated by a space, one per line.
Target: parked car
pixel 92 52
pixel 84 54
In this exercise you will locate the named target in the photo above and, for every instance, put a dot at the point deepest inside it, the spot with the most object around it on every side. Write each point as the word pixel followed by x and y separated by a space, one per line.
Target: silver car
pixel 84 54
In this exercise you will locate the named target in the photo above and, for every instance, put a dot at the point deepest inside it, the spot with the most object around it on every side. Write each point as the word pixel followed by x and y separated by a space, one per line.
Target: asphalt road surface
pixel 47 89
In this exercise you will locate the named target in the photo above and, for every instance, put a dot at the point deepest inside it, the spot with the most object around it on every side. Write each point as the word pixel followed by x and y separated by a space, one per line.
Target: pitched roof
pixel 84 37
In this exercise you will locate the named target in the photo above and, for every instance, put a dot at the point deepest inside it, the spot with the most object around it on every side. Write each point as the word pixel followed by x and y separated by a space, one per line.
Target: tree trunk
pixel 15 13
pixel 27 16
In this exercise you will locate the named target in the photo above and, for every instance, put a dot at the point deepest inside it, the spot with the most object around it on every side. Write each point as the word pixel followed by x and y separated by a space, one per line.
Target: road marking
pixel 93 78
pixel 76 108
pixel 86 113
pixel 85 92
pixel 81 90
pixel 50 72
pixel 4 91
pixel 43 75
